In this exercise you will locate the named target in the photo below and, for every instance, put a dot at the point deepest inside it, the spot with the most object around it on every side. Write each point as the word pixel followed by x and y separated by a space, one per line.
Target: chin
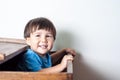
pixel 42 52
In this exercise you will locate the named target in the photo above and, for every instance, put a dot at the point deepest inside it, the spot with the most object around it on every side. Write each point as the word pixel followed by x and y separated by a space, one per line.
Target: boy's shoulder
pixel 30 53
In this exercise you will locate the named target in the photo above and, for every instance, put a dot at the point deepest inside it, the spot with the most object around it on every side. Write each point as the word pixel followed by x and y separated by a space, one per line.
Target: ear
pixel 28 41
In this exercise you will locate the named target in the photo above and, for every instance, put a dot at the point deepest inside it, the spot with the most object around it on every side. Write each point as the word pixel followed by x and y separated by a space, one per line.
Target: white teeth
pixel 43 46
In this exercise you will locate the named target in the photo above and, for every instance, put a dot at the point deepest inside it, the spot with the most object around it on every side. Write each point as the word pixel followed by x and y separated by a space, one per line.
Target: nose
pixel 43 39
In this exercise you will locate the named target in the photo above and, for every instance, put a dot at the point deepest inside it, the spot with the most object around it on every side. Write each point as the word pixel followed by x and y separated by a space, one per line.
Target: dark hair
pixel 39 23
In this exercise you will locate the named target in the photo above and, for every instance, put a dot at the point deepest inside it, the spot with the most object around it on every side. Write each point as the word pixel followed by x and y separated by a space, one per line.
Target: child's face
pixel 41 41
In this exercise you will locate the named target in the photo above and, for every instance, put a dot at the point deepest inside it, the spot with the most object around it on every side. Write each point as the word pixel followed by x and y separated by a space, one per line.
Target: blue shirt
pixel 31 61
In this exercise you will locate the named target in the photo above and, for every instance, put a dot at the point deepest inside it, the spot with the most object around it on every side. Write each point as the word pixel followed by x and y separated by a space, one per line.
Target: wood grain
pixel 11 47
pixel 33 76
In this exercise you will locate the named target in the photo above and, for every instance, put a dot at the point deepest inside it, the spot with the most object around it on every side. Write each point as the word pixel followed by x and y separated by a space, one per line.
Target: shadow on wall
pixel 81 70
pixel 63 40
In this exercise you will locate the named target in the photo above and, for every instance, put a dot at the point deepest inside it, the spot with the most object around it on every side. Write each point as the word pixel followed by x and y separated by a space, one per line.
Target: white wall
pixel 91 27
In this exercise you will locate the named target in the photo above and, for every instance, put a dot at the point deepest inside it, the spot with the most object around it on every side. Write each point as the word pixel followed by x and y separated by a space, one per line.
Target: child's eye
pixel 37 35
pixel 49 36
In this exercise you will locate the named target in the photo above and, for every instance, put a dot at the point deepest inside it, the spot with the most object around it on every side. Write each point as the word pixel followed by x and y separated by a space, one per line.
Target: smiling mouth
pixel 43 46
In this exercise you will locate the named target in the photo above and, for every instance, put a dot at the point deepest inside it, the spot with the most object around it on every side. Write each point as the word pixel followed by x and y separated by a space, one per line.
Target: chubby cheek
pixel 34 44
pixel 51 45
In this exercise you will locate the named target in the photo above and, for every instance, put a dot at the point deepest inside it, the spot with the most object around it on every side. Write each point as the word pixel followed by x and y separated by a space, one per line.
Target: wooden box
pixel 10 50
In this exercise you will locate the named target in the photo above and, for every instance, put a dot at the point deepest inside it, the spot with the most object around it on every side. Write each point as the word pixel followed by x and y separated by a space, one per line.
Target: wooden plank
pixel 14 75
pixel 11 47
pixel 11 50
pixel 12 40
pixel 70 70
pixel 32 76
pixel 69 67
